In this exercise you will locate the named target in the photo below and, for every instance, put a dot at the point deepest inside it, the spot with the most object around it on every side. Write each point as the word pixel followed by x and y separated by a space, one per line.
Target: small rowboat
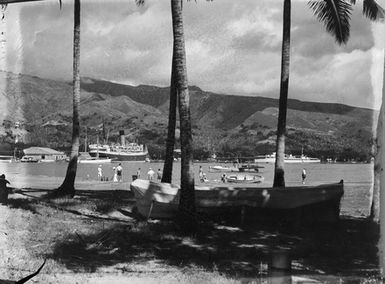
pixel 241 178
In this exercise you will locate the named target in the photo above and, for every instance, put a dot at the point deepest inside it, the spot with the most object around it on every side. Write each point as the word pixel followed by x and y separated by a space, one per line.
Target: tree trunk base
pixel 62 191
pixel 187 223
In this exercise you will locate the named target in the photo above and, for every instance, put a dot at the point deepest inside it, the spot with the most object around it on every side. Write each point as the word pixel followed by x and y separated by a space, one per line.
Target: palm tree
pixel 170 143
pixel 68 185
pixel 187 197
pixel 335 14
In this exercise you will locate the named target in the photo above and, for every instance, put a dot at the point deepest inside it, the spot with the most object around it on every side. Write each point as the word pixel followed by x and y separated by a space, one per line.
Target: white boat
pixel 242 178
pixel 95 161
pixel 290 159
pixel 29 159
pixel 85 158
pixel 160 200
pixel 222 169
pixel 6 159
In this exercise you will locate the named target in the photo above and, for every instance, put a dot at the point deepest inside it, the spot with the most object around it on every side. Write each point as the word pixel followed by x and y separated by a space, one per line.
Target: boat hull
pixel 120 156
pixel 94 161
pixel 221 169
pixel 244 179
pixel 6 159
pixel 160 200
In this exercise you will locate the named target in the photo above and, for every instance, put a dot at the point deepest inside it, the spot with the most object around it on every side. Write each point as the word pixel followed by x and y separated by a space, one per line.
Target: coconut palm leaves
pixel 372 10
pixel 335 15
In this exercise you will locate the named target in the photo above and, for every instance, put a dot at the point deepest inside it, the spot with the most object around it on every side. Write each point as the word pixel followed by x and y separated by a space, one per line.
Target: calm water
pixel 357 177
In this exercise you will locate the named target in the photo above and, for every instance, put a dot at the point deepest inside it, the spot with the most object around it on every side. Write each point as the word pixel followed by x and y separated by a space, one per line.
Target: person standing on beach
pixel 115 175
pixel 303 175
pixel 119 171
pixel 138 173
pixel 150 174
pixel 200 173
pixel 159 174
pixel 3 189
pixel 100 173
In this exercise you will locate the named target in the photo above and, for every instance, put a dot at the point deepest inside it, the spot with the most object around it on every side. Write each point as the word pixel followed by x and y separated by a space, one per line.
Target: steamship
pixel 120 152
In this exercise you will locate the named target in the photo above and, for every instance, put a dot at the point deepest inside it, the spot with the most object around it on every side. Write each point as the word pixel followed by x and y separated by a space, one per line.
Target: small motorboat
pixel 250 167
pixel 29 159
pixel 85 158
pixel 222 169
pixel 242 178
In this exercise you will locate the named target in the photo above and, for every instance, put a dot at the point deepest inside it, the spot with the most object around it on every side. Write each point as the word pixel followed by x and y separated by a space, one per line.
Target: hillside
pixel 225 124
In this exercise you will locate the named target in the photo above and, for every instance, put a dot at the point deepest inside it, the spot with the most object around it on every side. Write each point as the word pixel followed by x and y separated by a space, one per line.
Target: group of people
pixel 152 175
pixel 116 173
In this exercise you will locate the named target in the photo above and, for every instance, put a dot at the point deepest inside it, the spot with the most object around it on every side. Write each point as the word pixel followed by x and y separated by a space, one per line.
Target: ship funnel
pixel 122 138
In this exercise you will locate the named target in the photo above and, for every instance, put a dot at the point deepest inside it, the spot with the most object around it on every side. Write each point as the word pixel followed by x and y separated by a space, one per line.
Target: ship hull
pixel 117 156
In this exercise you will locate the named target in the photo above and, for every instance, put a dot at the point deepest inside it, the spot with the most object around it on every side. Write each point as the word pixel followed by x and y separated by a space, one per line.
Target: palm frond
pixel 139 2
pixel 373 11
pixel 335 15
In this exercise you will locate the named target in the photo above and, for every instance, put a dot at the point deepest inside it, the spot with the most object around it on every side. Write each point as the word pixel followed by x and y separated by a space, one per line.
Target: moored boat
pixel 160 200
pixel 222 169
pixel 29 159
pixel 290 159
pixel 250 167
pixel 6 159
pixel 242 178
pixel 85 158
pixel 120 152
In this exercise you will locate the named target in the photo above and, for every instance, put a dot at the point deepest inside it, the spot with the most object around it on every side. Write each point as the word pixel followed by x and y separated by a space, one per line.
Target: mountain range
pixel 39 112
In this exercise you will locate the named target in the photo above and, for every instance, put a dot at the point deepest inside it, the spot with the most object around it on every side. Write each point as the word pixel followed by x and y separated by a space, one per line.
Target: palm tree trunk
pixel 68 185
pixel 380 135
pixel 375 192
pixel 187 215
pixel 279 172
pixel 168 162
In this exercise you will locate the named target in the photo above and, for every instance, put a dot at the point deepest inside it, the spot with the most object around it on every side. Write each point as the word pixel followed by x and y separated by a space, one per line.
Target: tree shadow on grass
pixel 23 203
pixel 98 201
pixel 347 249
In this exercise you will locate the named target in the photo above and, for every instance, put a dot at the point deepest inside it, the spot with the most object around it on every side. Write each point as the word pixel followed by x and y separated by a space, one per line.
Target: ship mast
pixel 85 141
pixel 97 146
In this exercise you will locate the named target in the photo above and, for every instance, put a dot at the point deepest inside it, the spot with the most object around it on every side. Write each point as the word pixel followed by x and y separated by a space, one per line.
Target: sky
pixel 233 47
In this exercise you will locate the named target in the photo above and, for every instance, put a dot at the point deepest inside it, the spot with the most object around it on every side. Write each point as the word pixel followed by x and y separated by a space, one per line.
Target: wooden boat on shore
pixel 242 178
pixel 160 200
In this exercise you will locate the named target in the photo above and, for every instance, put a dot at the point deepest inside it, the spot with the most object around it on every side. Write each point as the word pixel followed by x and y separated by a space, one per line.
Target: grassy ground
pixel 95 237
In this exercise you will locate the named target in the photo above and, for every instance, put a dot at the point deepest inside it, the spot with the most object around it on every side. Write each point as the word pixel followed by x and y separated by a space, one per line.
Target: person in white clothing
pixel 100 172
pixel 151 174
pixel 115 175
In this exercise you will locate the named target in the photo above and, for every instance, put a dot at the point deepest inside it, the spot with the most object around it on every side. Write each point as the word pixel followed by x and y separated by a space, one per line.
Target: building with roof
pixel 44 154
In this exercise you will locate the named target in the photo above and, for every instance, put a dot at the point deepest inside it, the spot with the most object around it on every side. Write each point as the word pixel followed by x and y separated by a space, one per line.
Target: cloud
pixel 232 47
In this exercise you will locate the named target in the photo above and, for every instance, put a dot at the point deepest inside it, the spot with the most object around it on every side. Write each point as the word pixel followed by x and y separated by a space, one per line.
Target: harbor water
pixel 358 178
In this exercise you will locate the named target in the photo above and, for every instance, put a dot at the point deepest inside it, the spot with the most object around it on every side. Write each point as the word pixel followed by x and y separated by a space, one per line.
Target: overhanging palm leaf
pixel 373 11
pixel 335 15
